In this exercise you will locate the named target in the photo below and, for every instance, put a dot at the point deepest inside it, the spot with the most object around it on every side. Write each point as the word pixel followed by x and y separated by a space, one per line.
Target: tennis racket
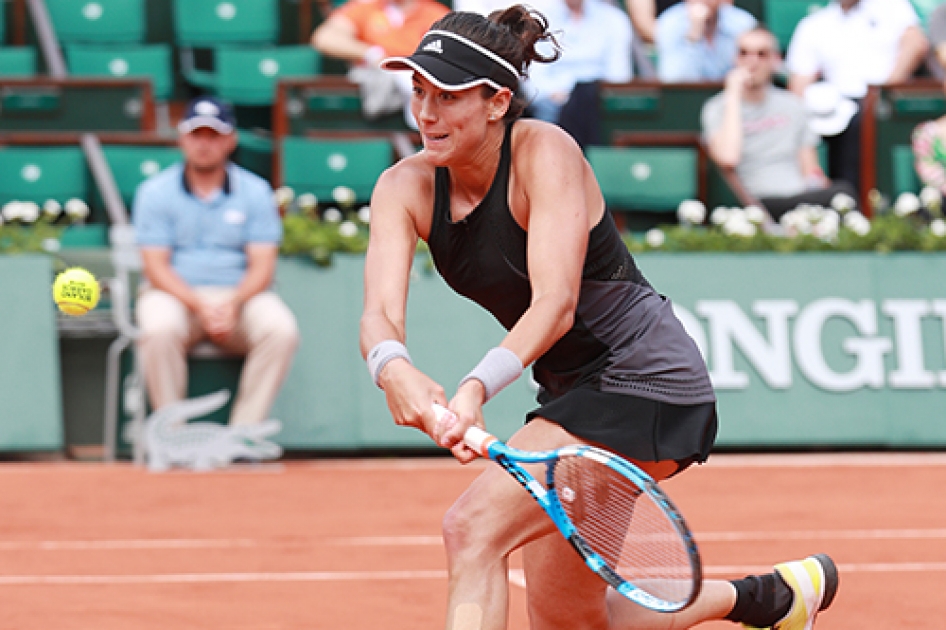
pixel 614 515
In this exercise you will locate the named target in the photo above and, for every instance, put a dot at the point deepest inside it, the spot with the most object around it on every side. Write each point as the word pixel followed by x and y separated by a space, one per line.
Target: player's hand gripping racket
pixel 614 515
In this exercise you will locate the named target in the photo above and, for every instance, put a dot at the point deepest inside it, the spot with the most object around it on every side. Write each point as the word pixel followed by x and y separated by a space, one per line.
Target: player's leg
pixel 167 329
pixel 494 517
pixel 562 592
pixel 268 334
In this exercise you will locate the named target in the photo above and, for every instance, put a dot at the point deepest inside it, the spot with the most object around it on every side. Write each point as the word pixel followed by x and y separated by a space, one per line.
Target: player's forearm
pixel 541 326
pixel 376 326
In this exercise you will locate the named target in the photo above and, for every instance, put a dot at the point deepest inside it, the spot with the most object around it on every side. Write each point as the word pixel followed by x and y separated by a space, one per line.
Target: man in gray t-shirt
pixel 762 132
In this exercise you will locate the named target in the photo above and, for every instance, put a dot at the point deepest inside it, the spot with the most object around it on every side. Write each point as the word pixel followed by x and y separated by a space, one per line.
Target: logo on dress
pixel 435 46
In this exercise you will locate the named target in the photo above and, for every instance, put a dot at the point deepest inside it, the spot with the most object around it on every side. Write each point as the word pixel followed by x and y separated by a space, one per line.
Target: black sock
pixel 761 600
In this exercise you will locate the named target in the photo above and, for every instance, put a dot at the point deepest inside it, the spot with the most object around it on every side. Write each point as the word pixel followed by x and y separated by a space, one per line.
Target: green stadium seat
pixel 131 165
pixel 98 21
pixel 152 61
pixel 653 179
pixel 905 178
pixel 210 23
pixel 755 7
pixel 3 22
pixel 649 107
pixel 17 61
pixel 318 166
pixel 327 102
pixel 248 76
pixel 782 16
pixel 41 173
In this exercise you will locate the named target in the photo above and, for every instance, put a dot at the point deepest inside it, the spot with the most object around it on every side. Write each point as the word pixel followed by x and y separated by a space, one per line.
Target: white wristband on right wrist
pixel 500 367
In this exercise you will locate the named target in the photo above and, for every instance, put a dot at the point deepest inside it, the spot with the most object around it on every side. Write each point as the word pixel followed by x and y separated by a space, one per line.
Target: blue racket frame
pixel 509 458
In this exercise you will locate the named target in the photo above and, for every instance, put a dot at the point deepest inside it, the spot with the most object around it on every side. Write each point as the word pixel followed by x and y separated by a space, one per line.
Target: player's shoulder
pixel 534 134
pixel 408 176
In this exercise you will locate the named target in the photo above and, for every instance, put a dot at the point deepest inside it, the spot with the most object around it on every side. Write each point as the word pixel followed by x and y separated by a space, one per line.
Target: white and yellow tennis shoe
pixel 814 583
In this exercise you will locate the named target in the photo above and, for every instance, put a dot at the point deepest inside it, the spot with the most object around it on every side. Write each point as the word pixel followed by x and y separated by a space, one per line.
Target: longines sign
pixel 787 332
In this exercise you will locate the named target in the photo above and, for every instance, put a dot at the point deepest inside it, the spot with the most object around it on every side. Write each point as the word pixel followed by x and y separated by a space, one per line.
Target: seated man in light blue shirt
pixel 596 46
pixel 696 40
pixel 209 235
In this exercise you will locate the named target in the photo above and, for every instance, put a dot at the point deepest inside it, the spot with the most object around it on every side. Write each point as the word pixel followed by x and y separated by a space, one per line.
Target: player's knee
pixel 461 536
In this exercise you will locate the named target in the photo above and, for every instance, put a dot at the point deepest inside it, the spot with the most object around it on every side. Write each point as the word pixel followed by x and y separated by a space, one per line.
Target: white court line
pixel 851 534
pixel 95 545
pixel 516 576
pixel 210 578
pixel 828 460
pixel 20 468
pixel 388 541
pixel 434 540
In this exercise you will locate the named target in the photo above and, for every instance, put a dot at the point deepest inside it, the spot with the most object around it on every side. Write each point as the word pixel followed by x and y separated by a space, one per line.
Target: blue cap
pixel 208 111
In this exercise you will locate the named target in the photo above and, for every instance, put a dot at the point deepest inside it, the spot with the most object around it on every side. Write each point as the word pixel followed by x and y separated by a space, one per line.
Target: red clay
pixel 354 544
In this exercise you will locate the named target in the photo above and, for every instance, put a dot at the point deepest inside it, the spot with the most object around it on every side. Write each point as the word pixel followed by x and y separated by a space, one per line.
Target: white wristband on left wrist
pixel 500 367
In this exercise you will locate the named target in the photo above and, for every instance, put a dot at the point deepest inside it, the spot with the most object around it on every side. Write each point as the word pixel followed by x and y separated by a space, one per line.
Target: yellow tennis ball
pixel 76 291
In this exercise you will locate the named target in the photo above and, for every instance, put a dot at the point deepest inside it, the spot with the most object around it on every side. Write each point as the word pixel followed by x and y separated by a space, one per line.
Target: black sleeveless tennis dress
pixel 627 375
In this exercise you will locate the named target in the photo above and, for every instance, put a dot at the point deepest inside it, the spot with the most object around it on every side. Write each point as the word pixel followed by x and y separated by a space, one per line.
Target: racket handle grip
pixel 478 440
pixel 475 437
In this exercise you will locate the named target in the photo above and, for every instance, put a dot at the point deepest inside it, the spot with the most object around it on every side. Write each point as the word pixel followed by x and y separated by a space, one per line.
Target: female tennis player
pixel 515 221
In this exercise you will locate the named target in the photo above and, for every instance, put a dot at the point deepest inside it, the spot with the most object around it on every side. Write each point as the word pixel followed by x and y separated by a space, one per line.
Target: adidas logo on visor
pixel 434 46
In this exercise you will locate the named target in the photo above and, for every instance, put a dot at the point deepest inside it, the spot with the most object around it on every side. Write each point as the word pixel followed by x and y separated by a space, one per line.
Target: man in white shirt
pixel 853 44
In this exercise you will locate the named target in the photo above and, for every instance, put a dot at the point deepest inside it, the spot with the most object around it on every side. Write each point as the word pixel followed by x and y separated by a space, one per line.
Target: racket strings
pixel 625 526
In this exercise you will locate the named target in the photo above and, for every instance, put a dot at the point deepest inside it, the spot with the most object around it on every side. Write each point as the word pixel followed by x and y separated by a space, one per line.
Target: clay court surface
pixel 354 544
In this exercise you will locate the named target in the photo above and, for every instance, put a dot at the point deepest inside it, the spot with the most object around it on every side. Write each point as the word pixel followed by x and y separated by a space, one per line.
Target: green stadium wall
pixel 806 351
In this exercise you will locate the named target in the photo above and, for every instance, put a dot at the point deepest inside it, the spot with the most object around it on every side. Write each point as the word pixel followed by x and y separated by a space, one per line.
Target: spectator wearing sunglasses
pixel 763 132
pixel 696 40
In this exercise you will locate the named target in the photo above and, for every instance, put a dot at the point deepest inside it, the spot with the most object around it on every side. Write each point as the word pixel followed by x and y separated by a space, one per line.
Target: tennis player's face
pixel 452 124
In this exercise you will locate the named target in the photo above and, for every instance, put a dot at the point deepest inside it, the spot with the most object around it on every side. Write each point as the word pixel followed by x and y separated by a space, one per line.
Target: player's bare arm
pixel 394 232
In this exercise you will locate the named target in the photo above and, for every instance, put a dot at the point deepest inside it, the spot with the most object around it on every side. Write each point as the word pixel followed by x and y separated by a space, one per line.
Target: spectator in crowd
pixel 485 7
pixel 595 37
pixel 696 40
pixel 929 152
pixel 852 44
pixel 363 32
pixel 936 29
pixel 763 132
pixel 644 14
pixel 209 235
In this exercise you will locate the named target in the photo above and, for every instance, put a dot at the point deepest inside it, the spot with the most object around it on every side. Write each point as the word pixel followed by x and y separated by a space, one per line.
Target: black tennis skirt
pixel 638 428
